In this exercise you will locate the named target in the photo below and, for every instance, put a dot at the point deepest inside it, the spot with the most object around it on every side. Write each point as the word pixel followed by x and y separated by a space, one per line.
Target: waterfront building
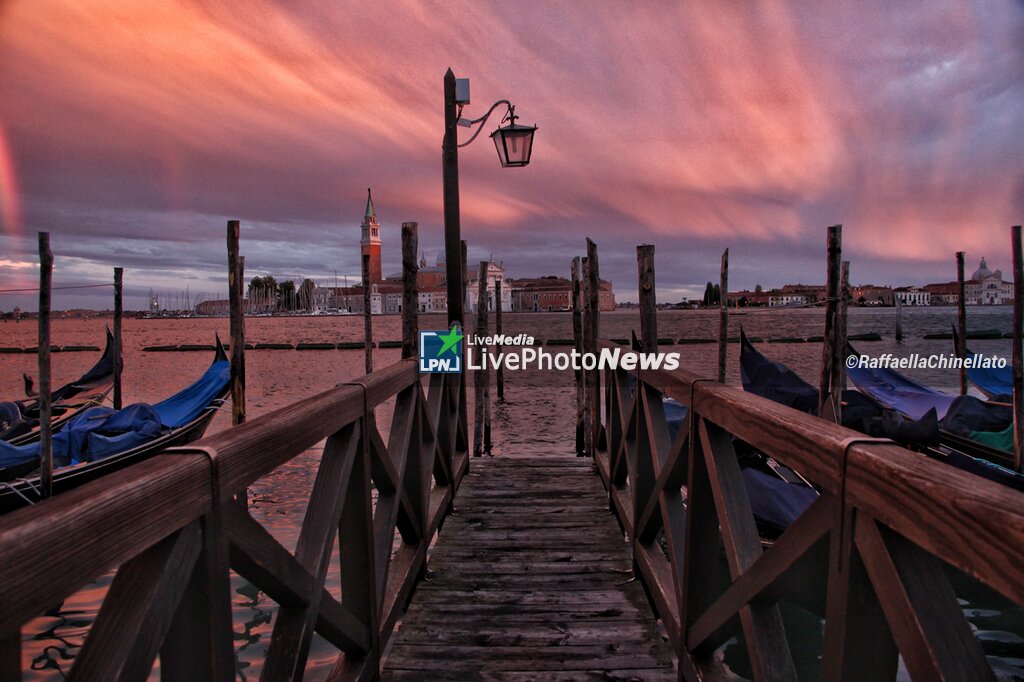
pixel 746 299
pixel 944 293
pixel 552 293
pixel 870 294
pixel 987 288
pixel 912 296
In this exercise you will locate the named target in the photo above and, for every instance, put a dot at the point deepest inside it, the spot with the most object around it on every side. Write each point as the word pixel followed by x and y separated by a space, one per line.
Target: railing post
pixel 410 297
pixel 594 331
pixel 45 433
pixel 577 336
pixel 647 297
pixel 118 342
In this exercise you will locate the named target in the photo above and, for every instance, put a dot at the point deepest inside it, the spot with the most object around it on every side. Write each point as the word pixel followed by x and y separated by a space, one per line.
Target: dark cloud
pixel 135 131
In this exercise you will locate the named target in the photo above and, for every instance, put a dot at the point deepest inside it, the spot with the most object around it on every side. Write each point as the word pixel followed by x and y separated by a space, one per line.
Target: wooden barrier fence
pixel 867 556
pixel 171 528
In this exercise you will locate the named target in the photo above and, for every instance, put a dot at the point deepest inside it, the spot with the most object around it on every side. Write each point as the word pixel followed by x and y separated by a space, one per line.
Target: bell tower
pixel 370 242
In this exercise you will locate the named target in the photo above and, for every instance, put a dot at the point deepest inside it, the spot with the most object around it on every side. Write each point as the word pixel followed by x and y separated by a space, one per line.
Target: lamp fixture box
pixel 462 91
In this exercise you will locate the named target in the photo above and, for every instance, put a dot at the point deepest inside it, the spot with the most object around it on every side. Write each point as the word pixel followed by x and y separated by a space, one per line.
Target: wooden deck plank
pixel 531 576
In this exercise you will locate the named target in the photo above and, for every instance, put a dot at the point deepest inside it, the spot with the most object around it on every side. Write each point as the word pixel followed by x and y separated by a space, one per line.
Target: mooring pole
pixel 499 371
pixel 588 430
pixel 45 432
pixel 367 311
pixel 647 297
pixel 899 318
pixel 236 283
pixel 1018 349
pixel 480 375
pixel 118 339
pixel 723 318
pixel 829 371
pixel 594 331
pixel 842 334
pixel 961 317
pixel 410 297
pixel 577 337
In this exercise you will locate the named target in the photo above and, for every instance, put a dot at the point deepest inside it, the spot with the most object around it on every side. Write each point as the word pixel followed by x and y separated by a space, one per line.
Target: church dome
pixel 982 272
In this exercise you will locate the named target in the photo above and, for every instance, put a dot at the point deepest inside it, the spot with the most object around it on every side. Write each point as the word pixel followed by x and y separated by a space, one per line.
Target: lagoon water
pixel 537 418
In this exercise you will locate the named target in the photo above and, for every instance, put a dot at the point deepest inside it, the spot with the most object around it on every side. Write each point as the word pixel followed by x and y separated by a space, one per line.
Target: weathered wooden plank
pixel 499 591
pixel 199 646
pixel 138 609
pixel 468 658
pixel 10 657
pixel 293 627
pixel 589 675
pixel 926 621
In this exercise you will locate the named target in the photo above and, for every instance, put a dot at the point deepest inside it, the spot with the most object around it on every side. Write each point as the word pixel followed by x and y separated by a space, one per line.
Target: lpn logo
pixel 441 352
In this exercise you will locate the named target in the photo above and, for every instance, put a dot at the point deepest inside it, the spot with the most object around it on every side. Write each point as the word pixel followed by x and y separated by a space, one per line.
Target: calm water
pixel 537 418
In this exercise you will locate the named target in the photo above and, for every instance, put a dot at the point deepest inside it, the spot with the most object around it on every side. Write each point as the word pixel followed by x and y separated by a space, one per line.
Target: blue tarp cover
pixel 995 382
pixel 900 393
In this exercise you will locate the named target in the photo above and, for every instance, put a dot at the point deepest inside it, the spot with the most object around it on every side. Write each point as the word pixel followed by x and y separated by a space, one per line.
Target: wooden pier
pixel 531 579
pixel 637 562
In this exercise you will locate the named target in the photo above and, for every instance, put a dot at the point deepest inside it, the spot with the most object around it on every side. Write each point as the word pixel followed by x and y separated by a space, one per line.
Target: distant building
pixel 552 293
pixel 746 299
pixel 779 299
pixel 495 273
pixel 944 293
pixel 912 296
pixel 987 288
pixel 870 294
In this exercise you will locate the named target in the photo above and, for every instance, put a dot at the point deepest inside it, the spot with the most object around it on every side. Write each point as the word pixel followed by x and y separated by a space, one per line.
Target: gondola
pixel 100 440
pixel 19 420
pixel 995 382
pixel 903 410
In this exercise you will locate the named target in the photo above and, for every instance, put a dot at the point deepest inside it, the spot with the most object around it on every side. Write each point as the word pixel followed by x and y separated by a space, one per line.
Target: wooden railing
pixel 867 555
pixel 172 528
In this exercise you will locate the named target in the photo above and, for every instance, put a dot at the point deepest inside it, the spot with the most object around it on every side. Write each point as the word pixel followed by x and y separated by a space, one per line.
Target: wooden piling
pixel 367 319
pixel 499 371
pixel 842 336
pixel 236 285
pixel 723 319
pixel 463 249
pixel 647 297
pixel 588 344
pixel 118 339
pixel 1018 349
pixel 410 297
pixel 480 375
pixel 593 323
pixel 829 378
pixel 961 317
pixel 577 338
pixel 899 318
pixel 45 433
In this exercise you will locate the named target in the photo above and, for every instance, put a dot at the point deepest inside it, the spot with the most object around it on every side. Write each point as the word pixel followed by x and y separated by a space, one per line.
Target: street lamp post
pixel 452 226
pixel 514 144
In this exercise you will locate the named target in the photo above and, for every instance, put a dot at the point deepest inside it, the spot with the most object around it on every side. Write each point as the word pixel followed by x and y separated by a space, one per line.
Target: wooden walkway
pixel 530 579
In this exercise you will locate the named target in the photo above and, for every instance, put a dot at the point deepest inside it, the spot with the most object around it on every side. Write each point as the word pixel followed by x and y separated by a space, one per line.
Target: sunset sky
pixel 133 131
